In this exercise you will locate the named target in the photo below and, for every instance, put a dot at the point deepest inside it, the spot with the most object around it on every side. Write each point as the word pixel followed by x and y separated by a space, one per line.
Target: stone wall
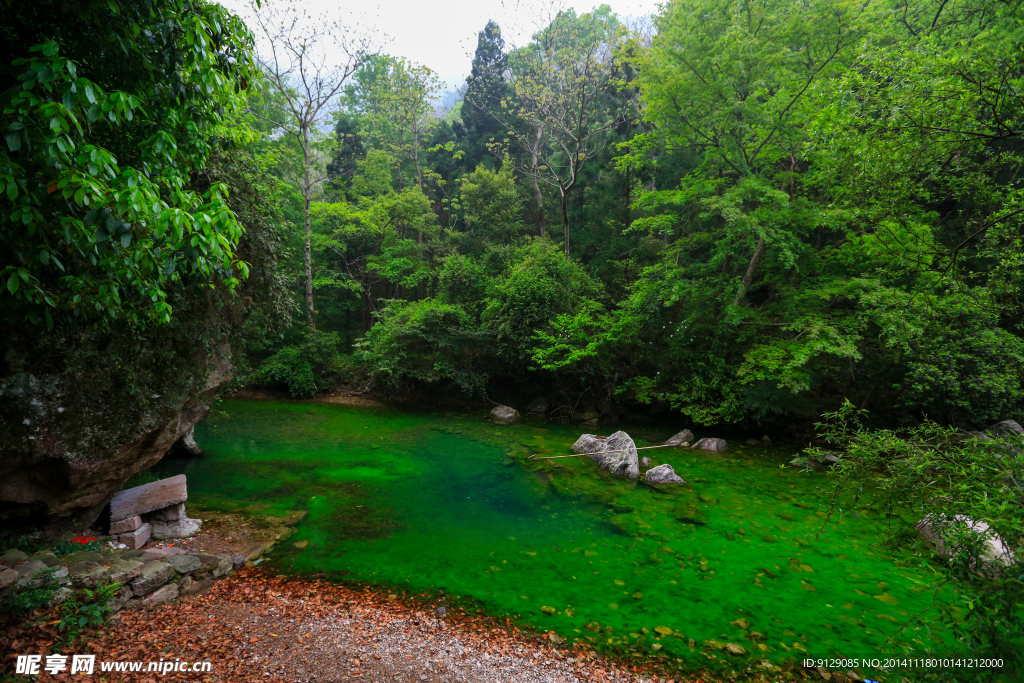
pixel 149 577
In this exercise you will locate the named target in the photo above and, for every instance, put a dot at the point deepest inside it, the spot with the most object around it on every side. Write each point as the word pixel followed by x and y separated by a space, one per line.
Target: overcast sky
pixel 442 35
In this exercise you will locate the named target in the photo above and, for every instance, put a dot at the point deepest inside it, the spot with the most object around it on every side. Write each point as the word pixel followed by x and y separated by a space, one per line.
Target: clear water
pixel 426 501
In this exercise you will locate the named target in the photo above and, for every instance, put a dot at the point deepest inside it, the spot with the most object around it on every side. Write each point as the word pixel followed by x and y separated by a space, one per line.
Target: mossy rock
pixel 688 512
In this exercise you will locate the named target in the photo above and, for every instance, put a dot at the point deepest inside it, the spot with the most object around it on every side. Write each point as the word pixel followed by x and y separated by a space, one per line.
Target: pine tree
pixel 485 88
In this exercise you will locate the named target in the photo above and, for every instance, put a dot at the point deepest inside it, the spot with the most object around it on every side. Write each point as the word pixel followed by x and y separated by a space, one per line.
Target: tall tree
pixel 563 85
pixel 486 87
pixel 308 63
pixel 401 112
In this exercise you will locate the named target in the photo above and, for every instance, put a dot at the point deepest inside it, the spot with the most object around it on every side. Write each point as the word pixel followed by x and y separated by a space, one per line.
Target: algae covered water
pixel 427 501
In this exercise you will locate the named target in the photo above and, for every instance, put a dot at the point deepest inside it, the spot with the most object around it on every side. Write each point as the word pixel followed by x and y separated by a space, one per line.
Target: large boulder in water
pixel 939 531
pixel 711 445
pixel 616 453
pixel 663 474
pixel 683 438
pixel 504 415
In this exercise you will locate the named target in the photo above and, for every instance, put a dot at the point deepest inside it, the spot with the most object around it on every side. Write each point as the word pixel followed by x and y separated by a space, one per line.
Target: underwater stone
pixel 504 415
pixel 711 445
pixel 683 437
pixel 663 474
pixel 752 442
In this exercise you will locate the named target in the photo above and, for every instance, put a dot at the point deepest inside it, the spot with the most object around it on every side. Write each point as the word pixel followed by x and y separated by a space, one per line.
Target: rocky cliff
pixel 82 413
pixel 85 406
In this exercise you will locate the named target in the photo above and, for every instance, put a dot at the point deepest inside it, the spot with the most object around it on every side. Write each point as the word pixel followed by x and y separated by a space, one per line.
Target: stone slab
pixel 161 553
pixel 138 538
pixel 7 577
pixel 148 497
pixel 182 528
pixel 171 513
pixel 125 526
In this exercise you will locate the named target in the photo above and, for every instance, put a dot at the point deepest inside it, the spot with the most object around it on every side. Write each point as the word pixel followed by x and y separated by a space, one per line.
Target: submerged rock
pixel 682 439
pixel 663 474
pixel 616 453
pixel 504 415
pixel 538 406
pixel 186 446
pixel 711 445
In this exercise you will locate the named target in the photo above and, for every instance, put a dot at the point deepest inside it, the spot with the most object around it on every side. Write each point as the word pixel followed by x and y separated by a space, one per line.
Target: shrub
pixel 311 365
pixel 426 341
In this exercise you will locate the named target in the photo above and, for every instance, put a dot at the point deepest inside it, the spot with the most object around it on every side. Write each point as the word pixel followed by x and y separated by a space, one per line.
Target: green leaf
pixel 13 282
pixel 14 141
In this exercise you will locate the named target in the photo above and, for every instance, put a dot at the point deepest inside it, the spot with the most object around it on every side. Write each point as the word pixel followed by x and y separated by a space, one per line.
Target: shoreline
pixel 254 626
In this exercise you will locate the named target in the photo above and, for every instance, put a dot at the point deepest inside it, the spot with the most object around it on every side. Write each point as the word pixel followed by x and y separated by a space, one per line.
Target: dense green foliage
pixel 109 108
pixel 768 209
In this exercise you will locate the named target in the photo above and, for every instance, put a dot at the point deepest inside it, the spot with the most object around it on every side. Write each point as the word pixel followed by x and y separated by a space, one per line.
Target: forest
pixel 802 218
pixel 745 215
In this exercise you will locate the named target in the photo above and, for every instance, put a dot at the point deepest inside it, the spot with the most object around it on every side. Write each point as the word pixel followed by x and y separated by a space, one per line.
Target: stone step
pixel 148 497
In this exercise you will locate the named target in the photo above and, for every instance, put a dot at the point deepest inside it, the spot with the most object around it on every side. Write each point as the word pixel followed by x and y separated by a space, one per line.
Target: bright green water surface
pixel 445 501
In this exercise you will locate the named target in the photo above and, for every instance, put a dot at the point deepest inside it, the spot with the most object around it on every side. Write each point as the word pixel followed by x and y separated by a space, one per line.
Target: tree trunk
pixel 748 277
pixel 307 196
pixel 565 219
pixel 416 156
pixel 534 154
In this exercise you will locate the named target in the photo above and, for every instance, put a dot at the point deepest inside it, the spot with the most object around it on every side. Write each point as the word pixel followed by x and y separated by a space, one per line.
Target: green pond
pixel 423 501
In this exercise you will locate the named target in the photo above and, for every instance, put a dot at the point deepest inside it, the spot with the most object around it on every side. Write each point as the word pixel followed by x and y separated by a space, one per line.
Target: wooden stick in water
pixel 576 455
